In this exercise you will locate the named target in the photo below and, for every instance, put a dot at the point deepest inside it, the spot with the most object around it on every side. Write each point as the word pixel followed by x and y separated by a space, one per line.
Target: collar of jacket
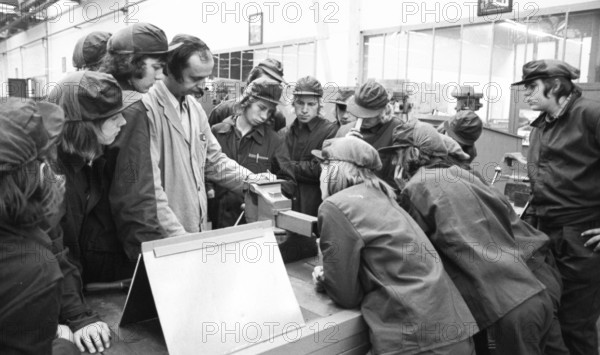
pixel 228 125
pixel 541 119
pixel 310 125
pixel 163 98
pixel 71 161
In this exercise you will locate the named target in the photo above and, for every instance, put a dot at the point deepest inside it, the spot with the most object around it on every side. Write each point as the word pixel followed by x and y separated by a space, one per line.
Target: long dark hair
pixel 30 196
pixel 126 66
pixel 81 138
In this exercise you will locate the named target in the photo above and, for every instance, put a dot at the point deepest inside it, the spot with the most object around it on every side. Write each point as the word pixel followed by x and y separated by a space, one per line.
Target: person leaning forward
pixel 184 151
pixel 135 57
pixel 465 219
pixel 564 169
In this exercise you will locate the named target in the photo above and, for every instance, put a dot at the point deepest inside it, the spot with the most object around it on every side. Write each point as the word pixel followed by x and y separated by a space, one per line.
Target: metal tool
pixel 108 286
pixel 497 172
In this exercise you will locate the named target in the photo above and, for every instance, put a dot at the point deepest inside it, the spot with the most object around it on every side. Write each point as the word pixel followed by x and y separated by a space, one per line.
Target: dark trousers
pixel 548 274
pixel 524 330
pixel 580 271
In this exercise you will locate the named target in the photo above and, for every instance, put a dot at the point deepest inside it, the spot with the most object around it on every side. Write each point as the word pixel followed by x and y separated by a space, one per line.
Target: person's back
pixel 375 256
pixel 404 291
pixel 460 216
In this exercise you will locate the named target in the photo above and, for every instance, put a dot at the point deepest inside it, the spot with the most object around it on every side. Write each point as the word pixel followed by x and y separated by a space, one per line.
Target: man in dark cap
pixel 564 168
pixel 370 103
pixel 89 50
pixel 340 114
pixel 245 138
pixel 307 132
pixel 268 68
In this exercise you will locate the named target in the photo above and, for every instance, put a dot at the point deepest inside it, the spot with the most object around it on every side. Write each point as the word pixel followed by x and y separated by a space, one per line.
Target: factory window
pixel 487 55
pixel 297 59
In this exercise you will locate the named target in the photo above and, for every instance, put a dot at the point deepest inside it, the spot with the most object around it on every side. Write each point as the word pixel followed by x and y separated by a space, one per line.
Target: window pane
pixel 394 62
pixel 419 56
pixel 236 66
pixel 215 71
pixel 546 35
pixel 446 63
pixel 579 45
pixel 275 53
pixel 259 56
pixel 373 57
pixel 510 42
pixel 290 62
pixel 224 65
pixel 475 64
pixel 306 60
pixel 247 63
pixel 420 53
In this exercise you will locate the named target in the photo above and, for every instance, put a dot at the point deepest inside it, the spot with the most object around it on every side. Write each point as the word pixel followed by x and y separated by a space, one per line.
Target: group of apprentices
pixel 122 151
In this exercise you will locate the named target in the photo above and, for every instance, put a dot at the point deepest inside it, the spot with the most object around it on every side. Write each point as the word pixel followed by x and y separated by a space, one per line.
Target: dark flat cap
pixel 87 96
pixel 417 134
pixel 90 49
pixel 264 89
pixel 341 97
pixel 547 68
pixel 140 38
pixel 369 100
pixel 27 131
pixel 465 127
pixel 273 68
pixel 350 149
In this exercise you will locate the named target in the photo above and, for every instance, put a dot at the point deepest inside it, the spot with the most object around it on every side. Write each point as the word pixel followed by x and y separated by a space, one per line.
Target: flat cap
pixel 90 49
pixel 140 38
pixel 273 68
pixel 369 100
pixel 465 127
pixel 308 85
pixel 417 134
pixel 547 68
pixel 341 97
pixel 264 89
pixel 87 96
pixel 350 149
pixel 27 131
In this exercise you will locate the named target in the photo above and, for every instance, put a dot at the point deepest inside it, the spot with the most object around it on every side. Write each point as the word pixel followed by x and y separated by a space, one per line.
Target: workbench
pixel 328 330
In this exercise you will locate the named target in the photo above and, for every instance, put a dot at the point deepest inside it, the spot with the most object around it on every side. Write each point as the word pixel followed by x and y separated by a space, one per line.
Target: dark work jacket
pixel 379 136
pixel 30 292
pixel 66 240
pixel 84 186
pixel 131 194
pixel 88 223
pixel 227 109
pixel 468 225
pixel 564 164
pixel 300 140
pixel 375 256
pixel 258 151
